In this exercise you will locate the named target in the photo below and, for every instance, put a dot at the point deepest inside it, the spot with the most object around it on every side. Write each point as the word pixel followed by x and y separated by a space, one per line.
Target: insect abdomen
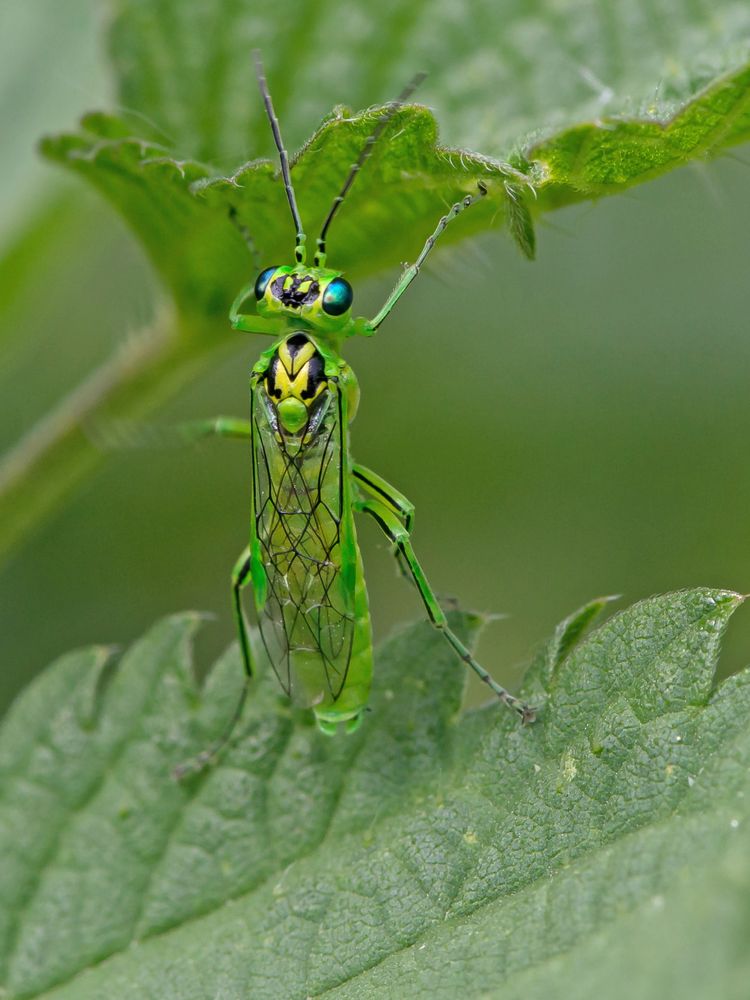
pixel 352 701
pixel 311 597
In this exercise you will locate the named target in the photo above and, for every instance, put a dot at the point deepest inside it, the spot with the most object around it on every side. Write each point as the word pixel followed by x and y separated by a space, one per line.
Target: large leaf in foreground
pixel 429 854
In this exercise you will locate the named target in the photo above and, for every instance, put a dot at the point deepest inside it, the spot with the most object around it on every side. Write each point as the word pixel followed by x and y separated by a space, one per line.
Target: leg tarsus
pixel 412 270
pixel 240 577
pixel 210 755
pixel 399 535
pixel 526 712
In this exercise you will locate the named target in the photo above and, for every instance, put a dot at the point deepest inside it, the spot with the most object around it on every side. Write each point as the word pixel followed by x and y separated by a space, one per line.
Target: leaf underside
pixel 546 102
pixel 547 105
pixel 430 854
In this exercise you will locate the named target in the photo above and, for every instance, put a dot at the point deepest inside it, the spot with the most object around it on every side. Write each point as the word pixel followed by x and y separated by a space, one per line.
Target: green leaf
pixel 430 854
pixel 546 104
pixel 582 102
pixel 48 59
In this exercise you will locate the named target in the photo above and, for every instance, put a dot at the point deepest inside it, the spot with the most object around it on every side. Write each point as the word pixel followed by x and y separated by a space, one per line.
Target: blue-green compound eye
pixel 337 297
pixel 262 280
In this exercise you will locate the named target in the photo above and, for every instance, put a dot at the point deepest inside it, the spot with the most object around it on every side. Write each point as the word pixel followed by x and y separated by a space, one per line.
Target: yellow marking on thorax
pixel 293 363
pixel 292 376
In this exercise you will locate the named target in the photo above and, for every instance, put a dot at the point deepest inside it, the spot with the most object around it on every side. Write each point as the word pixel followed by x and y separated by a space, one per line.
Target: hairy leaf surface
pixel 430 854
pixel 581 99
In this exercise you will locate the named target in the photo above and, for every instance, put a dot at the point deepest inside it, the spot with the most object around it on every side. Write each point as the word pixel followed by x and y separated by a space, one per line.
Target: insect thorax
pixel 295 387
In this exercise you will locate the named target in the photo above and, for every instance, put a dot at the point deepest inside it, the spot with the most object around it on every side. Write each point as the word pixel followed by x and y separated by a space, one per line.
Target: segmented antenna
pixel 299 248
pixel 392 108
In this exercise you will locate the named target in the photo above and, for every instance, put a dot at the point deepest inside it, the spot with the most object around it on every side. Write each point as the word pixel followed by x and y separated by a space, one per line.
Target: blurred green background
pixel 566 428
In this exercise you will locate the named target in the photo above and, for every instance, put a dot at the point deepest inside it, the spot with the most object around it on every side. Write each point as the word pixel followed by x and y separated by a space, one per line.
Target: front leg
pixel 250 322
pixel 412 270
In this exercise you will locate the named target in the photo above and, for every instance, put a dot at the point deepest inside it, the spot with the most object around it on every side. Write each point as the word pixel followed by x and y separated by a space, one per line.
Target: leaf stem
pixel 59 451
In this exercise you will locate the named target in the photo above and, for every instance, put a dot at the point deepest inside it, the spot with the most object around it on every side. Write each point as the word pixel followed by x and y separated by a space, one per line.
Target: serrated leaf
pixel 545 104
pixel 583 102
pixel 428 855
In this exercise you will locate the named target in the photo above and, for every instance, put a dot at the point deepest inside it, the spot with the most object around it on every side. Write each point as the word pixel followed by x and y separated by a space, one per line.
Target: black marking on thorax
pixel 284 377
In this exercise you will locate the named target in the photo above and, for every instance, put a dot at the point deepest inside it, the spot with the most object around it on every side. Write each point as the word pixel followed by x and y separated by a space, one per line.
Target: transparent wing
pixel 307 620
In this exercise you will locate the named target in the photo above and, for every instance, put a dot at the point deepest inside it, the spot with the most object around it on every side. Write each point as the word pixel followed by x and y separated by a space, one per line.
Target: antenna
pixel 299 247
pixel 391 109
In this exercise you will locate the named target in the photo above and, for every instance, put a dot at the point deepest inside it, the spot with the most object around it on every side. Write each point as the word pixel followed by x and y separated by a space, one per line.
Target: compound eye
pixel 337 297
pixel 261 282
